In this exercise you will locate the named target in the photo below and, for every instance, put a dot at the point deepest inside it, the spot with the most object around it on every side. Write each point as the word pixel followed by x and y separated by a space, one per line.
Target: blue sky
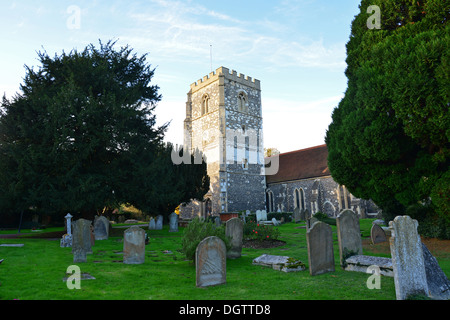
pixel 296 48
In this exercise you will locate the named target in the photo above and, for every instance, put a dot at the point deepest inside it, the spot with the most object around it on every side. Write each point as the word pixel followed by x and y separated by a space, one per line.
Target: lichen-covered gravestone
pixel 349 235
pixel 235 231
pixel 101 228
pixel 210 262
pixel 407 258
pixel 319 240
pixel 81 240
pixel 134 245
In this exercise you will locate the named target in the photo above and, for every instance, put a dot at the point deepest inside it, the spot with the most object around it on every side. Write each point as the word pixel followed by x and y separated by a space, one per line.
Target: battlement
pixel 230 75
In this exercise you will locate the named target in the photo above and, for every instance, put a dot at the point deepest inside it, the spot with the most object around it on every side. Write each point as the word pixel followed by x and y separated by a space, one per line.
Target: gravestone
pixel 319 240
pixel 310 222
pixel 101 228
pixel 263 215
pixel 280 263
pixel 66 240
pixel 349 235
pixel 159 222
pixel 258 215
pixel 307 214
pixel 210 262
pixel 134 245
pixel 173 222
pixel 437 281
pixel 297 215
pixel 275 222
pixel 152 224
pixel 407 258
pixel 234 229
pixel 377 234
pixel 81 240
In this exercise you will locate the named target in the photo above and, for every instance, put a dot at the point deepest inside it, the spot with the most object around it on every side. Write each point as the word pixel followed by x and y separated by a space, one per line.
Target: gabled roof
pixel 301 164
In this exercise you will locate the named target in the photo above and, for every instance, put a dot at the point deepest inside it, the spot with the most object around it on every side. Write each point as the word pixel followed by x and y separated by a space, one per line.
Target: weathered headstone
pixel 263 215
pixel 173 222
pixel 152 224
pixel 101 228
pixel 437 281
pixel 303 216
pixel 134 245
pixel 275 222
pixel 297 215
pixel 319 240
pixel 310 222
pixel 349 235
pixel 377 234
pixel 210 262
pixel 66 240
pixel 159 222
pixel 407 258
pixel 280 263
pixel 307 214
pixel 258 216
pixel 234 229
pixel 81 240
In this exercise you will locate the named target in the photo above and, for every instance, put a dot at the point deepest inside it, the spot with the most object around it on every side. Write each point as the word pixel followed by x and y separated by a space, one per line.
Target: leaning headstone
pixel 66 240
pixel 173 222
pixel 275 222
pixel 407 258
pixel 159 222
pixel 349 235
pixel 437 281
pixel 81 240
pixel 134 245
pixel 101 228
pixel 297 215
pixel 319 240
pixel 377 234
pixel 210 262
pixel 235 231
pixel 152 224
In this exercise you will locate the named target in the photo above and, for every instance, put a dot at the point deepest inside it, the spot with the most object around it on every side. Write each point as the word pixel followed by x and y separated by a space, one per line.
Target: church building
pixel 224 122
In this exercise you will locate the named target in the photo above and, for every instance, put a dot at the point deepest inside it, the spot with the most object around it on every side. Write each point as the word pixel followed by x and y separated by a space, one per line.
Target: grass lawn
pixel 35 271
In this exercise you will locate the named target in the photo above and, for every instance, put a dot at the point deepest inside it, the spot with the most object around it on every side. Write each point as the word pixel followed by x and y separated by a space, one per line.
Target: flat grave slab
pixel 360 263
pixel 280 263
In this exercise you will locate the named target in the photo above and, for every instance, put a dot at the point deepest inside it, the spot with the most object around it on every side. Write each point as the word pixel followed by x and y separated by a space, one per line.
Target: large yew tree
pixel 81 136
pixel 389 136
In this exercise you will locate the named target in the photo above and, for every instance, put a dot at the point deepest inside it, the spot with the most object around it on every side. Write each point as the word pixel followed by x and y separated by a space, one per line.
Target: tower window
pixel 205 104
pixel 242 102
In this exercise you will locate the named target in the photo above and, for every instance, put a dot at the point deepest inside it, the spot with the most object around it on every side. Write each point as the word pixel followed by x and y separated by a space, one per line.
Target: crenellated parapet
pixel 226 74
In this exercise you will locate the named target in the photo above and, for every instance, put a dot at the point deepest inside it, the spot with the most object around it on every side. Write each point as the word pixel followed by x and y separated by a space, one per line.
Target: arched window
pixel 205 104
pixel 270 201
pixel 302 199
pixel 242 102
pixel 296 198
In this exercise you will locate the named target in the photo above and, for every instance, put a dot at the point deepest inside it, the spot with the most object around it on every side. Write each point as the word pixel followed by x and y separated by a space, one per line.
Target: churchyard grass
pixel 35 272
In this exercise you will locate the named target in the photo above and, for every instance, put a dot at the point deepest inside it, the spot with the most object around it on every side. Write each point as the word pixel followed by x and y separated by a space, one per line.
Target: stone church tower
pixel 224 121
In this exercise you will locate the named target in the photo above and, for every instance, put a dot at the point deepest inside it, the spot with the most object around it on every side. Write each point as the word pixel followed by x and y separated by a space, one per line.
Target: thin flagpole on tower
pixel 210 56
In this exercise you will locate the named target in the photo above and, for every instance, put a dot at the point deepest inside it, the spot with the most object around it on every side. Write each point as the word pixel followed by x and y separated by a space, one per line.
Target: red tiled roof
pixel 302 164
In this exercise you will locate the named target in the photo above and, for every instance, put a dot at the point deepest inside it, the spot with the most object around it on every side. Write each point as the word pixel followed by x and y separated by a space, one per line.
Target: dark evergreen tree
pixel 81 136
pixel 389 138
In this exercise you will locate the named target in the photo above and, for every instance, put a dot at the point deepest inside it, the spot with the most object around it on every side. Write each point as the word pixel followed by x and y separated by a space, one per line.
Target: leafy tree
pixel 81 134
pixel 389 138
